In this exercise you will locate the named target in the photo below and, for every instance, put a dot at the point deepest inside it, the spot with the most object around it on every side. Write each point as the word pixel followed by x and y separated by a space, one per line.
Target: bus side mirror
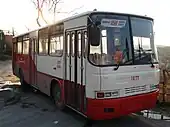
pixel 94 36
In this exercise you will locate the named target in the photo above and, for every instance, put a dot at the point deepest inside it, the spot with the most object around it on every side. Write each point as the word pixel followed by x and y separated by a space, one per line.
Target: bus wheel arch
pixel 57 93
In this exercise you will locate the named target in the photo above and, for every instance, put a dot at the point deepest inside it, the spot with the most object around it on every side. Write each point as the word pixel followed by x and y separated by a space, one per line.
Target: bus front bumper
pixel 101 109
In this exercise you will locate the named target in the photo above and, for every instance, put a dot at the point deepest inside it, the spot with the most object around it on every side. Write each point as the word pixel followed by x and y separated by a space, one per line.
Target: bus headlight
pixel 107 94
pixel 115 93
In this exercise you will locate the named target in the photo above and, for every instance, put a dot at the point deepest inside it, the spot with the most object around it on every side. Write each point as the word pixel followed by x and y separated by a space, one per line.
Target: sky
pixel 21 14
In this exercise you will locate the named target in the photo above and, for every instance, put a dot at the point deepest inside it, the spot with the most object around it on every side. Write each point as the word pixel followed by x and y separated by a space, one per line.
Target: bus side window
pixel 19 47
pixel 56 45
pixel 34 45
pixel 26 47
pixel 43 42
pixel 25 44
pixel 43 46
pixel 61 44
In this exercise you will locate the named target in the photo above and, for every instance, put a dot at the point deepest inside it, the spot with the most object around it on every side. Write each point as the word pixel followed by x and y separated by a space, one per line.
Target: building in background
pixel 6 42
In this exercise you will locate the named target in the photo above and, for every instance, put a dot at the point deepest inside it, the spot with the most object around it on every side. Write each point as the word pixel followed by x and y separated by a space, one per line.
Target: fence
pixel 164 86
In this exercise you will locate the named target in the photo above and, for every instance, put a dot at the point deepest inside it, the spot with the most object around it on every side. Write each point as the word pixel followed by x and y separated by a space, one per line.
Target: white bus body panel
pixel 121 79
pixel 92 80
pixel 106 79
pixel 46 64
pixel 111 80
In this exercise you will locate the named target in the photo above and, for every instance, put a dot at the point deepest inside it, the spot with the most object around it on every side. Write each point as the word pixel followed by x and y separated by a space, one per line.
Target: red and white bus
pixel 101 64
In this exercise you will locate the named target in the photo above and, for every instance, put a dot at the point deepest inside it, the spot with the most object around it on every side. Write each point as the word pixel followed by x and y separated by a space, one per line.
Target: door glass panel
pixel 79 44
pixel 68 44
pixel 72 43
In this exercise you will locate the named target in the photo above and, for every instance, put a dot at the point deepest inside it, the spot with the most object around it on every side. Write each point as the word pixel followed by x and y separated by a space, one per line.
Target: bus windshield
pixel 116 45
pixel 115 40
pixel 143 41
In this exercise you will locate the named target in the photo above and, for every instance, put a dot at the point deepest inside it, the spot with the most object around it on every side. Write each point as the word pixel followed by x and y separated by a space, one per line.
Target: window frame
pixel 25 39
pixel 68 44
pixel 19 40
pixel 79 39
pixel 72 45
pixel 85 46
pixel 56 54
pixel 15 47
pixel 21 50
pixel 34 47
pixel 14 42
pixel 56 30
pixel 43 34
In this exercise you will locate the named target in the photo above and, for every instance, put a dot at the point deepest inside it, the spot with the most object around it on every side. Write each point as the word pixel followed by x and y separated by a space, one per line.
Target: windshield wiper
pixel 144 51
pixel 117 67
pixel 139 56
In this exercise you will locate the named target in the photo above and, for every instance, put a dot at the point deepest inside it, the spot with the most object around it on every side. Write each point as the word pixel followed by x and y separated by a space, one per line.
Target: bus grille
pixel 135 89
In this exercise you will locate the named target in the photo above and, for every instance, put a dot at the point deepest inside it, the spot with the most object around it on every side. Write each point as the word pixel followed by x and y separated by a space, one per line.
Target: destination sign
pixel 113 23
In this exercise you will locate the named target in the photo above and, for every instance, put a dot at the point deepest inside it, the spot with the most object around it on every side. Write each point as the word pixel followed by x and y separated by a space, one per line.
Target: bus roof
pixel 84 14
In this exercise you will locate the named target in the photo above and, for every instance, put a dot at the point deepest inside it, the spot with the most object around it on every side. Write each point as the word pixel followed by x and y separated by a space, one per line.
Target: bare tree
pixel 27 28
pixel 40 5
pixel 51 6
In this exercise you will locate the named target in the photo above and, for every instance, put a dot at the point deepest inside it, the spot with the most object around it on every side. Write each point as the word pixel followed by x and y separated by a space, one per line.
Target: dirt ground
pixel 6 72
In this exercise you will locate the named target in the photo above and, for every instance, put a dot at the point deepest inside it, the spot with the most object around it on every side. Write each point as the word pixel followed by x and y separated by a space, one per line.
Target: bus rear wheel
pixel 24 85
pixel 57 96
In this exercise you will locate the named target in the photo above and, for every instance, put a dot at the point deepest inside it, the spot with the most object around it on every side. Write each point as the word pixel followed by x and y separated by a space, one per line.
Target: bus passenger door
pixel 67 80
pixel 80 69
pixel 75 72
pixel 33 62
pixel 69 69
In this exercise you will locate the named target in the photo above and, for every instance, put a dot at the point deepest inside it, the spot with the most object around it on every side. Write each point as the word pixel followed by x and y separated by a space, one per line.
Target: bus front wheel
pixel 57 96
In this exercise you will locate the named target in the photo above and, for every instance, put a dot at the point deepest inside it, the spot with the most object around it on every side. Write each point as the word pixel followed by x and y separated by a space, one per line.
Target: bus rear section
pixel 123 71
pixel 21 57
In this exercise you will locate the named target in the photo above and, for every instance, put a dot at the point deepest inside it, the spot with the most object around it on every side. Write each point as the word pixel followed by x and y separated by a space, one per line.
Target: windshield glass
pixel 143 41
pixel 115 45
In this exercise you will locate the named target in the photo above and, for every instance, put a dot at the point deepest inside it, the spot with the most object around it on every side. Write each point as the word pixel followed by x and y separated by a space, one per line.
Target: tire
pixel 24 85
pixel 57 97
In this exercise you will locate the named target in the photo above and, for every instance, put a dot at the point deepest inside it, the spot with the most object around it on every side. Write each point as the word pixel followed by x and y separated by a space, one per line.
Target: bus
pixel 102 65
